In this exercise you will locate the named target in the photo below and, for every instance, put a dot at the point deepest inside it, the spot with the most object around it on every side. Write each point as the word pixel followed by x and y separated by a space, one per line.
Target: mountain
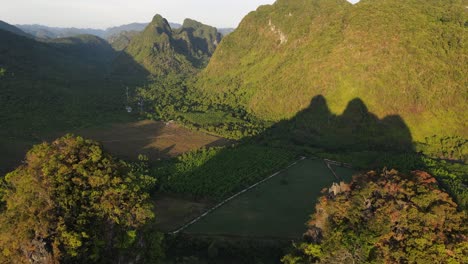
pixel 119 37
pixel 197 39
pixel 63 56
pixel 128 27
pixel 161 49
pixel 89 48
pixel 225 31
pixel 79 76
pixel 401 57
pixel 7 27
pixel 41 31
pixel 121 40
pixel 134 27
pixel 56 84
pixel 175 25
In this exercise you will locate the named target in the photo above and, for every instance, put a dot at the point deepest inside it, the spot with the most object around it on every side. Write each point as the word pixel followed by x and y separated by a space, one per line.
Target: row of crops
pixel 219 172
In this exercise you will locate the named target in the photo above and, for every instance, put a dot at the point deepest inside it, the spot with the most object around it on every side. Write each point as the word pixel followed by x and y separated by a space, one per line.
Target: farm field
pixel 344 173
pixel 151 138
pixel 172 212
pixel 277 208
pixel 12 151
pixel 124 140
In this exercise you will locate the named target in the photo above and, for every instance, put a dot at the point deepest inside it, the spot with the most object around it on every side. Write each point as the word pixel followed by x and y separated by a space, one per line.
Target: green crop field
pixel 278 207
pixel 344 173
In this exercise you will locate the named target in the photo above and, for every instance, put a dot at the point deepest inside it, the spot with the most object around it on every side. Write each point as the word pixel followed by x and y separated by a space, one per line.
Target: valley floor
pixel 157 140
pixel 127 140
pixel 276 208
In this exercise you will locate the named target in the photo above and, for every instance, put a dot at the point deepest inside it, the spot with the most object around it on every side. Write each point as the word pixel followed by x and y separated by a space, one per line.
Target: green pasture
pixel 277 208
pixel 344 173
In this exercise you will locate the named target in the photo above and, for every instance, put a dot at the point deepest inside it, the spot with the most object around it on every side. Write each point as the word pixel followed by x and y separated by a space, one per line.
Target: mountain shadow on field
pixel 356 129
pixel 356 133
pixel 315 130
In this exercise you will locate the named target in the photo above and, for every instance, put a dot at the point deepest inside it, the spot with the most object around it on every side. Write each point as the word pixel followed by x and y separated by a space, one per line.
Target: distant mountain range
pixel 7 27
pixel 225 31
pixel 45 32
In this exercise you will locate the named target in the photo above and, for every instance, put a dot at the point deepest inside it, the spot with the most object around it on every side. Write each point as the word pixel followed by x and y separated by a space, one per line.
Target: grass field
pixel 278 207
pixel 125 140
pixel 344 173
pixel 151 138
pixel 172 211
pixel 12 151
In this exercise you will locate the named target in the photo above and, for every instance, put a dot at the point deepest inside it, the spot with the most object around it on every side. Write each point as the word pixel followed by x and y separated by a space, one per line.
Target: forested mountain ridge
pixel 20 51
pixel 121 40
pixel 22 55
pixel 41 31
pixel 404 58
pixel 71 75
pixel 66 76
pixel 161 50
pixel 129 27
pixel 7 27
pixel 87 47
pixel 45 32
pixel 197 39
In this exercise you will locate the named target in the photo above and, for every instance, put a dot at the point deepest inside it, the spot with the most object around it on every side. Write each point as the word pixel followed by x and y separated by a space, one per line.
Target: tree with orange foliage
pixel 385 218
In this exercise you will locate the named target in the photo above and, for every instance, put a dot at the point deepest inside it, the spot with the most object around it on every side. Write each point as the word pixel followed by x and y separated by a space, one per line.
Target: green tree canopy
pixel 71 202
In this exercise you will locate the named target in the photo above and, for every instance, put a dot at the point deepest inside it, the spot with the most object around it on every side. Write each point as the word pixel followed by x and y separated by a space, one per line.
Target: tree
pixel 385 218
pixel 71 202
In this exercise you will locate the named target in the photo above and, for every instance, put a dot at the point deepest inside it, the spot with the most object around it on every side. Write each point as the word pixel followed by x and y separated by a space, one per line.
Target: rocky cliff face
pixel 161 49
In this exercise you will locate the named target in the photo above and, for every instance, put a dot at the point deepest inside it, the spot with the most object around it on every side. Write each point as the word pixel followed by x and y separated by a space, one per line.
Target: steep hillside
pixel 112 31
pixel 162 50
pixel 400 57
pixel 121 40
pixel 58 84
pixel 226 31
pixel 86 47
pixel 7 27
pixel 41 31
pixel 197 39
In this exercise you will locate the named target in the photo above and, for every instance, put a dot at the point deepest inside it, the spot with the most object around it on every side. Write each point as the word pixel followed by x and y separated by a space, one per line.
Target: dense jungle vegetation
pixel 400 57
pixel 379 84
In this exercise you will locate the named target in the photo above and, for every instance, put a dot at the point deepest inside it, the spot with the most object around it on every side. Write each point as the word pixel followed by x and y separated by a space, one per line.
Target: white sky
pixel 109 13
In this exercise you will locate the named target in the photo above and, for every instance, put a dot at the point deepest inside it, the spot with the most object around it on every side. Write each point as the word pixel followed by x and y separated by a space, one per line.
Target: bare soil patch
pixel 157 140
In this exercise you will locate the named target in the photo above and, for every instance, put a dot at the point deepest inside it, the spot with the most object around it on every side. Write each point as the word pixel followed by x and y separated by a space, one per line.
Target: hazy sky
pixel 108 13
